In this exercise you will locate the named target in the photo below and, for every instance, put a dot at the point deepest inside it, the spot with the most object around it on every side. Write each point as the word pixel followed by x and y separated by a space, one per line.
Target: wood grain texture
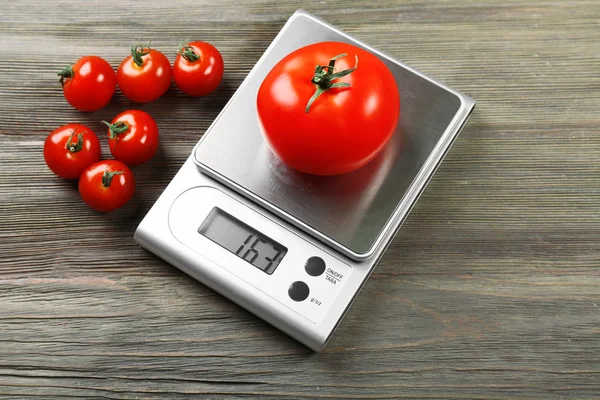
pixel 490 291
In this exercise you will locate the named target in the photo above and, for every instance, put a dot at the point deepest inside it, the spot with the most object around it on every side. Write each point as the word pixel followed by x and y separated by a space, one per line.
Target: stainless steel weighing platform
pixel 323 235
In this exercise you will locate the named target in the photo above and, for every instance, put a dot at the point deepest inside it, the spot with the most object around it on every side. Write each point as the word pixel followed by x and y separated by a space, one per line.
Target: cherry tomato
pixel 331 119
pixel 145 75
pixel 89 84
pixel 198 68
pixel 132 137
pixel 70 149
pixel 106 185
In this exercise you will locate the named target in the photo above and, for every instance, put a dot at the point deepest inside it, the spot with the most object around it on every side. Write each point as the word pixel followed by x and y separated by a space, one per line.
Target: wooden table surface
pixel 490 290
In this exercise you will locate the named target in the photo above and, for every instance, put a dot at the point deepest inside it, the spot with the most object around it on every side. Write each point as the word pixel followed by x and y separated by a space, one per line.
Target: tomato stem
pixel 188 53
pixel 108 176
pixel 324 76
pixel 74 148
pixel 116 129
pixel 138 51
pixel 66 73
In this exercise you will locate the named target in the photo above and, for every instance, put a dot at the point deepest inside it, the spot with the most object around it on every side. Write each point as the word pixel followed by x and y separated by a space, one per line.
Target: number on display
pixel 250 254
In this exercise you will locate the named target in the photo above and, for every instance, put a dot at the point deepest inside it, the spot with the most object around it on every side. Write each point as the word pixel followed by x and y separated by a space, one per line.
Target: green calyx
pixel 138 51
pixel 74 148
pixel 188 53
pixel 108 176
pixel 116 129
pixel 325 75
pixel 66 73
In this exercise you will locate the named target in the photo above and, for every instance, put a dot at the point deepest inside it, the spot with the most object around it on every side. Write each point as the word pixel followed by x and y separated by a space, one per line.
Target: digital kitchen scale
pixel 296 249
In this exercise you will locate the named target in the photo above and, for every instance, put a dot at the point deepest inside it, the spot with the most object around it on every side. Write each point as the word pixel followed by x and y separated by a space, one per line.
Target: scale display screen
pixel 243 241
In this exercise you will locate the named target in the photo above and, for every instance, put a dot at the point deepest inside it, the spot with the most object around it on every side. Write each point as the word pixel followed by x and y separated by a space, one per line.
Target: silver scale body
pixel 347 220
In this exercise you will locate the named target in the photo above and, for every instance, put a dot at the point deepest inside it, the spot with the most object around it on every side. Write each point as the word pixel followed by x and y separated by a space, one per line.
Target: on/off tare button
pixel 314 266
pixel 298 291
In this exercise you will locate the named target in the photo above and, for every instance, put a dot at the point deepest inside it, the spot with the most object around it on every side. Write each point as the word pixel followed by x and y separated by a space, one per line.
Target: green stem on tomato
pixel 325 75
pixel 116 128
pixel 188 53
pixel 74 148
pixel 108 176
pixel 138 51
pixel 66 73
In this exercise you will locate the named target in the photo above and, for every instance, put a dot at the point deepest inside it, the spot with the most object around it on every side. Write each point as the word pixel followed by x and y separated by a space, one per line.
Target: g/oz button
pixel 298 291
pixel 314 266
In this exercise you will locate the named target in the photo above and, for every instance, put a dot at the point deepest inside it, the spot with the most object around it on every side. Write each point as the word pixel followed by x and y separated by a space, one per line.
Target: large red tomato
pixel 331 119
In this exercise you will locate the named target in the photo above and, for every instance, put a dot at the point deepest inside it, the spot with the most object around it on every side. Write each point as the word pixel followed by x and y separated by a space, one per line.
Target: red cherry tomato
pixel 133 137
pixel 331 119
pixel 89 84
pixel 198 68
pixel 145 75
pixel 106 185
pixel 70 149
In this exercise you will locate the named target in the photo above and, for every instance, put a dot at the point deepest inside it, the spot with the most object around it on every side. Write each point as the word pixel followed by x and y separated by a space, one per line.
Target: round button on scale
pixel 315 266
pixel 298 291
